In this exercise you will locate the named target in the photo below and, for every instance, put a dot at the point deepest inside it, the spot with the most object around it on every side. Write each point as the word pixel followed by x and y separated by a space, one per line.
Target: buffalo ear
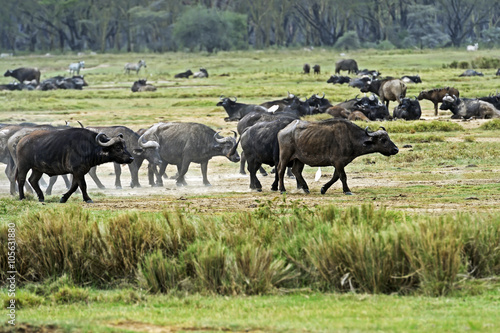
pixel 368 142
pixel 138 151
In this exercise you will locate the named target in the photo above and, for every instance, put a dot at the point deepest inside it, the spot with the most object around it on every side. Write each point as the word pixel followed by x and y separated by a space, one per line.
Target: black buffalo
pixel 260 146
pixel 411 79
pixel 408 109
pixel 306 68
pixel 184 143
pixel 60 82
pixel 73 151
pixel 142 85
pixel 235 110
pixel 336 79
pixel 333 142
pixel 471 72
pixel 24 74
pixel 184 75
pixel 141 150
pixel 349 65
pixel 468 108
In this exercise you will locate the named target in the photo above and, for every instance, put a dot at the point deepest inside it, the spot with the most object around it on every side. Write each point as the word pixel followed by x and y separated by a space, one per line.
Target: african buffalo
pixel 73 151
pixel 387 89
pixel 332 142
pixel 468 108
pixel 408 109
pixel 24 74
pixel 184 143
pixel 141 85
pixel 184 75
pixel 336 79
pixel 349 65
pixel 236 111
pixel 436 95
pixel 411 79
pixel 139 149
pixel 306 69
pixel 317 69
pixel 471 72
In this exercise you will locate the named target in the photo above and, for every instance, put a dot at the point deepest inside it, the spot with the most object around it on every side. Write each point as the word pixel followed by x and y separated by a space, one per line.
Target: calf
pixel 436 95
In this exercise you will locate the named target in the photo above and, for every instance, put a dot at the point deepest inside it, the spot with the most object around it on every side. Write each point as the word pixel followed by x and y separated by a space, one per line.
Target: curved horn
pixel 221 97
pixel 81 125
pixel 235 99
pixel 323 95
pixel 235 134
pixel 105 144
pixel 368 133
pixel 382 127
pixel 217 139
pixel 147 144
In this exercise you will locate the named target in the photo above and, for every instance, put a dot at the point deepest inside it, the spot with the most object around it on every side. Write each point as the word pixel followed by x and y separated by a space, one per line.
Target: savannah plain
pixel 416 248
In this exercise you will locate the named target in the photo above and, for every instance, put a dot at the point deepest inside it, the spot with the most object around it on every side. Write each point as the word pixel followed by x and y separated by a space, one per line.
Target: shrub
pixel 485 62
pixel 491 125
pixel 349 41
pixel 463 65
pixel 161 274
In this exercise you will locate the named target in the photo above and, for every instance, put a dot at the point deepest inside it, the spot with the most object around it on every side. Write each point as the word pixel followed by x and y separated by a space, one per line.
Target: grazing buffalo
pixel 141 150
pixel 141 85
pixel 236 111
pixel 184 143
pixel 74 68
pixel 73 151
pixel 306 69
pixel 317 69
pixel 24 74
pixel 411 79
pixel 336 79
pixel 468 108
pixel 349 65
pixel 134 67
pixel 408 109
pixel 260 146
pixel 333 142
pixel 387 89
pixel 184 75
pixel 471 72
pixel 436 96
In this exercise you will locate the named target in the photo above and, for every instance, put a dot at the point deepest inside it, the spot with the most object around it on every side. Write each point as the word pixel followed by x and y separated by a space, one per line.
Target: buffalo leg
pixel 34 179
pixel 274 186
pixel 335 177
pixel 254 181
pixel 52 181
pixel 134 174
pixel 72 189
pixel 243 160
pixel 297 168
pixel 343 179
pixel 21 180
pixel 435 109
pixel 93 175
pixel 161 171
pixel 182 170
pixel 118 174
pixel 204 169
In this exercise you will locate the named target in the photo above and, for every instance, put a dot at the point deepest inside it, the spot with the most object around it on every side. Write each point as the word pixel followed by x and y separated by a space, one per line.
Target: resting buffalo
pixel 371 107
pixel 141 85
pixel 349 65
pixel 369 72
pixel 336 79
pixel 236 111
pixel 471 72
pixel 184 143
pixel 493 99
pixel 408 109
pixel 141 150
pixel 436 96
pixel 468 108
pixel 359 82
pixel 387 89
pixel 184 75
pixel 333 142
pixel 60 82
pixel 24 74
pixel 411 79
pixel 73 151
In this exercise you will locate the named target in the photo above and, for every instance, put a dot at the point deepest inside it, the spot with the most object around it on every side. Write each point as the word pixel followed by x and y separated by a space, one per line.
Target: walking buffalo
pixel 387 89
pixel 333 142
pixel 436 96
pixel 24 74
pixel 73 151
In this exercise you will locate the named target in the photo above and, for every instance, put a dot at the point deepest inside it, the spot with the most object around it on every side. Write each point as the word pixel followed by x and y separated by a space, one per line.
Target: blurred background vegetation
pixel 59 26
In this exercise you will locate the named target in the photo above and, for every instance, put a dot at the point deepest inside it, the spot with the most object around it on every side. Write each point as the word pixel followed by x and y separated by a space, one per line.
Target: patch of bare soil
pixel 150 328
pixel 28 328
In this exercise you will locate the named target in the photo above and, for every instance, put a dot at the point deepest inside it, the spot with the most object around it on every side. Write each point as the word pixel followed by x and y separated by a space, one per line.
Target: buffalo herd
pixel 271 133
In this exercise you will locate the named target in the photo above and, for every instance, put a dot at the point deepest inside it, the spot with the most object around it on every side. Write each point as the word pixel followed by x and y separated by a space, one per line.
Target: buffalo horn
pixel 219 140
pixel 105 144
pixel 221 97
pixel 147 144
pixel 382 127
pixel 235 134
pixel 368 133
pixel 235 99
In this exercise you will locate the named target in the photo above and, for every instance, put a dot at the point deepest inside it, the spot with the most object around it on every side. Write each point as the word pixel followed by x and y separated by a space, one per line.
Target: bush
pixel 463 65
pixel 485 62
pixel 349 41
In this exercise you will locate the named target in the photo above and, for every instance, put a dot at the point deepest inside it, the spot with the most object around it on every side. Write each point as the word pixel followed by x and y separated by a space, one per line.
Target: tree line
pixel 212 25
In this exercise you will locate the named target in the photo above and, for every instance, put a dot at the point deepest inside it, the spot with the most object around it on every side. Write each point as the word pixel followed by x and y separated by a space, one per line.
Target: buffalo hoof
pixel 256 190
pixel 41 200
pixel 118 187
pixel 243 173
pixel 180 184
pixel 63 200
pixel 323 191
pixel 283 192
pixel 89 201
pixel 306 191
pixel 348 193
pixel 102 187
pixel 208 184
pixel 264 174
pixel 274 189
